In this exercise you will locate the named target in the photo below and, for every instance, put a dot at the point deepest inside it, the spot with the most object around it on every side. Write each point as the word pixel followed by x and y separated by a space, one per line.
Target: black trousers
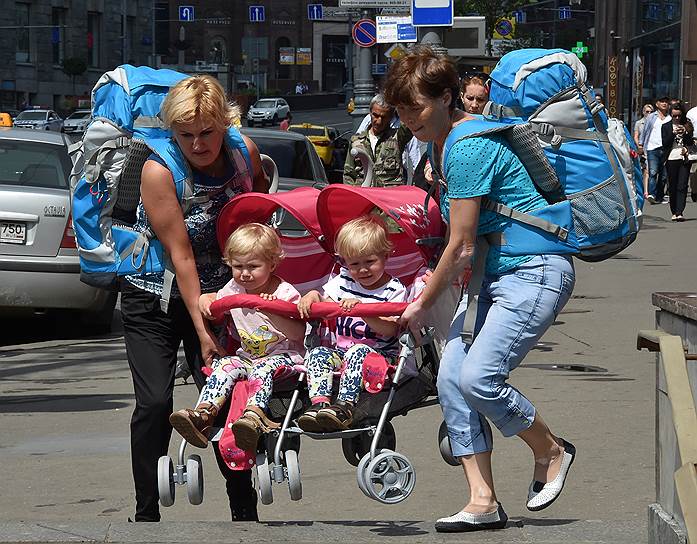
pixel 678 172
pixel 152 340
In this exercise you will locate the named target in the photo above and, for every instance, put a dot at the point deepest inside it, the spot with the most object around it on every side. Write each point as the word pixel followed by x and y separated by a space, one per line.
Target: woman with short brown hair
pixel 520 296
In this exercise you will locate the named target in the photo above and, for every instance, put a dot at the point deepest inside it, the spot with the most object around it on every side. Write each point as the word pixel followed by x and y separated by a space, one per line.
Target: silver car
pixel 39 266
pixel 39 120
pixel 267 110
pixel 76 122
pixel 295 157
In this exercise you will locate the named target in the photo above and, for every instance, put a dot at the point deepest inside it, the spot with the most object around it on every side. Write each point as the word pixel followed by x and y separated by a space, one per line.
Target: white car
pixel 39 120
pixel 76 122
pixel 267 110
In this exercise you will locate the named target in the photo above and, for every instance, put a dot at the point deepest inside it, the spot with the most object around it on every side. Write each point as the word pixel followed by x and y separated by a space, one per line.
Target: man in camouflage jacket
pixel 385 149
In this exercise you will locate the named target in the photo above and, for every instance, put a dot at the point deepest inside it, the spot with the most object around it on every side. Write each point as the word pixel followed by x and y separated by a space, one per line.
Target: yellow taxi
pixel 322 138
pixel 5 120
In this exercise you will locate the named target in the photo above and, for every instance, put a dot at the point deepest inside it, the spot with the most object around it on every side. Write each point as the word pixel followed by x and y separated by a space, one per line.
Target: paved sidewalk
pixel 65 407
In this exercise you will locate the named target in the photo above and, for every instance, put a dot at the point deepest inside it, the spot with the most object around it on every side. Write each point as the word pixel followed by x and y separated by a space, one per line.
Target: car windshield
pixel 31 116
pixel 80 115
pixel 265 104
pixel 309 131
pixel 33 164
pixel 292 157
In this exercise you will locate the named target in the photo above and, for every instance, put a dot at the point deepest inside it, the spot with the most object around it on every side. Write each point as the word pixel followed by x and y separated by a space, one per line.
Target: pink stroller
pixel 307 221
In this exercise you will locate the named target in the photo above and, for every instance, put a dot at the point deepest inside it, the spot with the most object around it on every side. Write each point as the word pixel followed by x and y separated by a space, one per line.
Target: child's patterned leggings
pixel 259 374
pixel 323 361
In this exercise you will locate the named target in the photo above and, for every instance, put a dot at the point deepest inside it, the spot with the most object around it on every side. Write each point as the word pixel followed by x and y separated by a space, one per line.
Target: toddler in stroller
pixel 363 247
pixel 268 341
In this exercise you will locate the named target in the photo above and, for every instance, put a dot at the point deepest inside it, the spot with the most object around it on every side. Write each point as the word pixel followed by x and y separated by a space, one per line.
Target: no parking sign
pixel 364 33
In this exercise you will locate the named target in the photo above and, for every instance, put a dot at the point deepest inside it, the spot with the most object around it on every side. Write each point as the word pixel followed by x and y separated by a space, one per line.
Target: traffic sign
pixel 375 4
pixel 379 69
pixel 520 16
pixel 564 13
pixel 432 12
pixel 394 29
pixel 364 33
pixel 257 14
pixel 186 13
pixel 314 12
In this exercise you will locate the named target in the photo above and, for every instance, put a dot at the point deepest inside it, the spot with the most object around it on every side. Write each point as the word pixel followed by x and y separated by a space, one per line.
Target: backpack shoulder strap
pixel 472 129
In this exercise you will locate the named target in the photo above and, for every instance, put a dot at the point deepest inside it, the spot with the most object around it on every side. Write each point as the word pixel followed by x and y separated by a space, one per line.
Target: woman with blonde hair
pixel 519 300
pixel 205 143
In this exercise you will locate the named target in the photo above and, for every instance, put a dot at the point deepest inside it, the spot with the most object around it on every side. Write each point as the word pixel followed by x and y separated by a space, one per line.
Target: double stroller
pixel 307 221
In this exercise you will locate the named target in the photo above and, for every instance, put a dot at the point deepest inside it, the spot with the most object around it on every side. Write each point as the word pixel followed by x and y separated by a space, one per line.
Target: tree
pixel 491 10
pixel 74 66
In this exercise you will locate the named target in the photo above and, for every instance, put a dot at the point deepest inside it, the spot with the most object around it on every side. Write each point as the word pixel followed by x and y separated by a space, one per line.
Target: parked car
pixel 39 120
pixel 267 110
pixel 39 266
pixel 328 143
pixel 297 161
pixel 76 122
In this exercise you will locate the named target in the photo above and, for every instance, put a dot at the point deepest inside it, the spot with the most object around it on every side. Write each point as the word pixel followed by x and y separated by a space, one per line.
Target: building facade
pixel 645 49
pixel 53 51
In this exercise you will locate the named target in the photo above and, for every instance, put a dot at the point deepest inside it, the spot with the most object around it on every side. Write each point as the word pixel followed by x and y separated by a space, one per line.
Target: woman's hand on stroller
pixel 210 347
pixel 306 303
pixel 413 316
pixel 348 303
pixel 204 304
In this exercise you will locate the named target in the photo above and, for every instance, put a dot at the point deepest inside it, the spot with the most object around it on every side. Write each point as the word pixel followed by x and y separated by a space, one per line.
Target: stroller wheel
pixel 264 479
pixel 165 480
pixel 361 473
pixel 295 485
pixel 355 448
pixel 446 451
pixel 390 477
pixel 194 479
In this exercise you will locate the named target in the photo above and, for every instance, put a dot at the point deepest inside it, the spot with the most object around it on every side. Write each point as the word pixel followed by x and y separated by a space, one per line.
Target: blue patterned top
pixel 487 166
pixel 200 223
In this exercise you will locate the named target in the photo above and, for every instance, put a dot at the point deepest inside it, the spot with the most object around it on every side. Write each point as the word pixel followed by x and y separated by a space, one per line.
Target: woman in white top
pixel 677 136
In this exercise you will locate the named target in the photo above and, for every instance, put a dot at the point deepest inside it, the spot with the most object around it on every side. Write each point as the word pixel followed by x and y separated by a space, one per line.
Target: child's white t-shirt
pixel 353 330
pixel 258 336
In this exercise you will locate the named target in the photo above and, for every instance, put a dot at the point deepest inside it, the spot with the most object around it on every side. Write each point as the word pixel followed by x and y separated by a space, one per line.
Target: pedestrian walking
pixel 677 139
pixel 285 124
pixel 692 117
pixel 638 134
pixel 652 144
pixel 520 296
pixel 197 113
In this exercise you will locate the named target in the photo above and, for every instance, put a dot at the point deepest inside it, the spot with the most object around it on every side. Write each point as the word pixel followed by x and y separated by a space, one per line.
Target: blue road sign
pixel 186 13
pixel 365 33
pixel 432 12
pixel 379 69
pixel 564 13
pixel 520 16
pixel 406 33
pixel 314 12
pixel 257 14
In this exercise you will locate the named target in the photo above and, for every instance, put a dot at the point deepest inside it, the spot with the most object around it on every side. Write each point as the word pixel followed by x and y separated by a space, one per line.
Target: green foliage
pixel 74 66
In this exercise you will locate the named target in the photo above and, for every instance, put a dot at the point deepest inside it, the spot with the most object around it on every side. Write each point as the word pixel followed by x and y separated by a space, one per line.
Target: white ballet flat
pixel 541 495
pixel 464 522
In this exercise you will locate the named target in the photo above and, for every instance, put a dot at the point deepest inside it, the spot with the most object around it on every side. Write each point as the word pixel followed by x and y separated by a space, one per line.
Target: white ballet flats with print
pixel 541 495
pixel 464 522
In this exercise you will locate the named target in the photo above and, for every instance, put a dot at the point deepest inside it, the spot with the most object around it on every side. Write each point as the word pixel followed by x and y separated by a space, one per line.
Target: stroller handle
pixel 271 169
pixel 319 310
pixel 367 163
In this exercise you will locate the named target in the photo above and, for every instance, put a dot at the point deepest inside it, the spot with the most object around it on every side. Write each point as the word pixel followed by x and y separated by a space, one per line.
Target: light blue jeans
pixel 514 311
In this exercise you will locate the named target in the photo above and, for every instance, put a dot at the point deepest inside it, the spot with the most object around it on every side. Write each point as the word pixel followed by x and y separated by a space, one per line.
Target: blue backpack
pixel 580 160
pixel 105 180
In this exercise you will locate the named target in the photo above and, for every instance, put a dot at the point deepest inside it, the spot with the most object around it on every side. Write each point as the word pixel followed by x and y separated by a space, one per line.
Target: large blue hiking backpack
pixel 580 160
pixel 107 165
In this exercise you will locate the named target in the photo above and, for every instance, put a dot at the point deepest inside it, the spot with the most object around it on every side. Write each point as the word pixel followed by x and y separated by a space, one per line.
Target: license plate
pixel 13 233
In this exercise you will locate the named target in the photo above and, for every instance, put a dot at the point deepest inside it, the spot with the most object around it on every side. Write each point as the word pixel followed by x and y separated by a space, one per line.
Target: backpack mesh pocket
pixel 129 183
pixel 599 210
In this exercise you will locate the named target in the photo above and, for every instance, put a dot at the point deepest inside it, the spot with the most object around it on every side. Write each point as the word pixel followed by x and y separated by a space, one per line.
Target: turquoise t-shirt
pixel 487 166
